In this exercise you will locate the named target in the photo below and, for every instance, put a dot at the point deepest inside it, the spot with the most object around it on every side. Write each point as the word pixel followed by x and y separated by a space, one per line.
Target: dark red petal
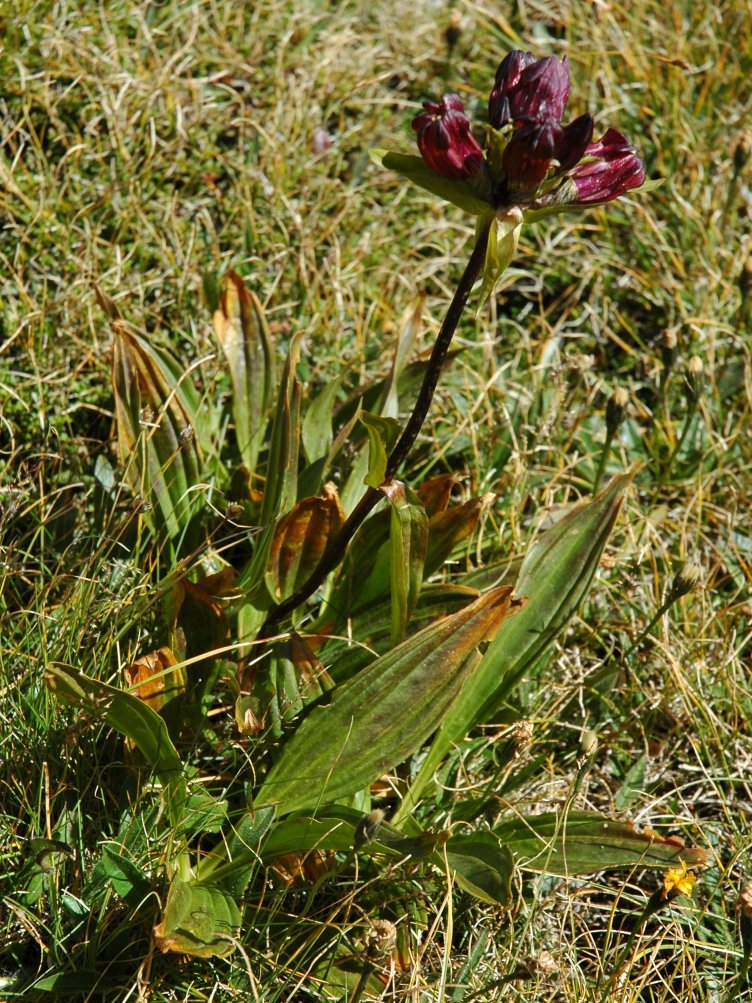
pixel 574 142
pixel 542 90
pixel 528 154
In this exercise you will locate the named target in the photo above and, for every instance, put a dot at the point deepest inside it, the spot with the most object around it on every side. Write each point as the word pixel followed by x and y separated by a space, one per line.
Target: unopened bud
pixel 453 29
pixel 381 938
pixel 522 737
pixel 743 151
pixel 368 827
pixel 616 409
pixel 686 580
pixel 695 378
pixel 186 435
pixel 668 348
pixel 544 966
pixel 743 904
pixel 588 742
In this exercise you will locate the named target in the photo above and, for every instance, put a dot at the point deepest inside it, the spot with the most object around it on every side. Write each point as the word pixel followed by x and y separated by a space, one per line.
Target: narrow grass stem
pixel 335 552
pixel 680 441
pixel 663 608
pixel 602 462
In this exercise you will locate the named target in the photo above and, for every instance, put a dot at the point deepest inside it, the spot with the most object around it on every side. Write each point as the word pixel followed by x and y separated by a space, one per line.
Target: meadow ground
pixel 149 147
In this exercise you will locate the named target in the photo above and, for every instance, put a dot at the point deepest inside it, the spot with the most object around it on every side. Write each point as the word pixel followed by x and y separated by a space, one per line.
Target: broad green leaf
pixel 71 985
pixel 483 867
pixel 554 578
pixel 203 813
pixel 500 250
pixel 200 920
pixel 371 625
pixel 300 539
pixel 317 422
pixel 157 414
pixel 340 828
pixel 382 435
pixel 243 335
pixel 132 718
pixel 408 541
pixel 460 192
pixel 582 842
pixel 281 489
pixel 385 713
pixel 231 864
pixel 128 880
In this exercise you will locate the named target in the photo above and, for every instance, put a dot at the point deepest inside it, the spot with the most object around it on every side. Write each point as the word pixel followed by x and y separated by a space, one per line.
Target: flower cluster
pixel 532 160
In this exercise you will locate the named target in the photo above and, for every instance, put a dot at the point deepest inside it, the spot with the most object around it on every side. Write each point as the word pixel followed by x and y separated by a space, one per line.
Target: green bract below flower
pixel 530 165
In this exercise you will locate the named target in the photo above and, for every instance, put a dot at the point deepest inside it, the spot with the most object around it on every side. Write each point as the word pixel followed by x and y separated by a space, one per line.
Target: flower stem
pixel 337 547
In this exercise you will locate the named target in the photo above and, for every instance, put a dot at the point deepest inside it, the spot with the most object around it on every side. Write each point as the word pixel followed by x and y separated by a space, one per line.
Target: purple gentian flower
pixel 528 88
pixel 617 170
pixel 529 148
pixel 445 140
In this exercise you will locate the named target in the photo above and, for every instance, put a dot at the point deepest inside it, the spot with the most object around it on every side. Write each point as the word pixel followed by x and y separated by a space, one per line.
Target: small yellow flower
pixel 678 881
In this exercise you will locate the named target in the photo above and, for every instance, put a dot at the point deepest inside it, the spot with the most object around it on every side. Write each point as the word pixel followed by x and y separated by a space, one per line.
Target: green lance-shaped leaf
pixel 383 714
pixel 281 489
pixel 198 919
pixel 481 865
pixel 582 842
pixel 244 337
pixel 132 718
pixel 382 435
pixel 292 678
pixel 317 438
pixel 156 416
pixel 459 192
pixel 128 880
pixel 554 578
pixel 408 542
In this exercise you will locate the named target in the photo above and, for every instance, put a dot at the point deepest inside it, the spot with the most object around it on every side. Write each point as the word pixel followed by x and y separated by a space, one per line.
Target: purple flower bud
pixel 529 88
pixel 529 153
pixel 617 170
pixel 444 138
pixel 507 79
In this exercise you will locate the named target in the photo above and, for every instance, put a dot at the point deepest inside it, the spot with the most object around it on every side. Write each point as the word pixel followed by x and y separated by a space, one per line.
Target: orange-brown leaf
pixel 300 539
pixel 154 679
pixel 434 493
